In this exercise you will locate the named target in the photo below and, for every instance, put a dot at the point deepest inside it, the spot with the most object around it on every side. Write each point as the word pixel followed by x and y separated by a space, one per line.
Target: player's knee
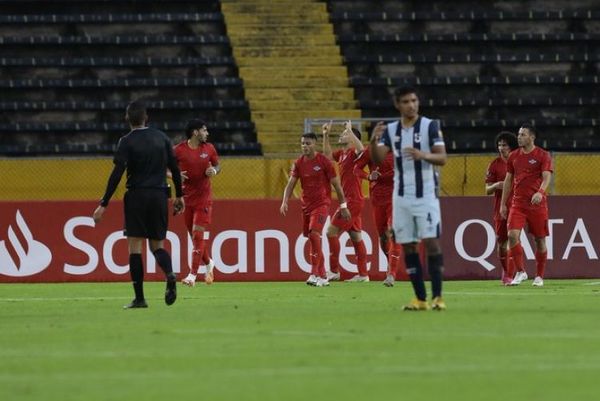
pixel 355 236
pixel 410 248
pixel 432 246
pixel 332 231
pixel 435 263
pixel 540 244
pixel 513 238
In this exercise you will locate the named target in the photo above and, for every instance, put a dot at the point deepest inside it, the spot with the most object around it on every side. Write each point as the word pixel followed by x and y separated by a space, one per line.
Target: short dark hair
pixel 509 138
pixel 136 112
pixel 310 135
pixel 193 125
pixel 404 90
pixel 356 132
pixel 531 129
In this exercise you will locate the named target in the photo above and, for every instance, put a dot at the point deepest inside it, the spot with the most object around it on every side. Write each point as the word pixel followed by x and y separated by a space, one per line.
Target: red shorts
pixel 314 220
pixel 382 213
pixel 355 222
pixel 197 215
pixel 535 217
pixel 500 226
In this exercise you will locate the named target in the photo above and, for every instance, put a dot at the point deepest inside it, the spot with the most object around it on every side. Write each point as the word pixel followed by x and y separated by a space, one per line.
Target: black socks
pixel 164 260
pixel 136 270
pixel 435 264
pixel 415 272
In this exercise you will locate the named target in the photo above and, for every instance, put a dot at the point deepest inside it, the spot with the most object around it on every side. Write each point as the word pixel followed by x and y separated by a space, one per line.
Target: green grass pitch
pixel 288 341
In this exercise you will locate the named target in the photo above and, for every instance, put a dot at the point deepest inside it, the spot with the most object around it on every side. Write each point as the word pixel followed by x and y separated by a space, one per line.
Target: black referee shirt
pixel 146 152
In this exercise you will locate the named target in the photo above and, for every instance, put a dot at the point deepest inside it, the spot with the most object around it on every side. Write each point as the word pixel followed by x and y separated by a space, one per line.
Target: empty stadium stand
pixel 481 67
pixel 291 67
pixel 68 76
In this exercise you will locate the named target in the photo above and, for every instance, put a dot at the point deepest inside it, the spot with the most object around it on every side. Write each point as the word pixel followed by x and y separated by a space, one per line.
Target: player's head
pixel 344 137
pixel 136 114
pixel 527 135
pixel 506 142
pixel 406 101
pixel 196 128
pixel 308 143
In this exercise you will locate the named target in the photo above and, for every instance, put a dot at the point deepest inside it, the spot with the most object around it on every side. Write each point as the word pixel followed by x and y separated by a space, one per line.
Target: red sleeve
pixel 295 171
pixel 363 159
pixel 547 162
pixel 360 172
pixel 490 175
pixel 337 154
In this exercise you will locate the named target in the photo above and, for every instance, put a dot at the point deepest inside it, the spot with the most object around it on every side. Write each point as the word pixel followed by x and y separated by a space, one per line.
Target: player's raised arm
pixel 378 150
pixel 287 192
pixel 354 140
pixel 326 141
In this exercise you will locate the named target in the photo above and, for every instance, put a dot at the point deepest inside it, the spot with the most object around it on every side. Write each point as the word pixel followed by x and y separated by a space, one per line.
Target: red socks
pixel 197 253
pixel 503 262
pixel 396 265
pixel 516 254
pixel 361 257
pixel 317 261
pixel 334 254
pixel 540 263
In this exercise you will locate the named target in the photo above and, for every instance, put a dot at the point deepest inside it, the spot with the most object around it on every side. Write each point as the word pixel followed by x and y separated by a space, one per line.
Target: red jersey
pixel 196 188
pixel 497 172
pixel 382 188
pixel 526 169
pixel 347 160
pixel 315 176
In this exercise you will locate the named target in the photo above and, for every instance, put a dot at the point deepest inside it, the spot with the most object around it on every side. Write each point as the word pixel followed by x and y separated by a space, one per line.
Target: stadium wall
pixel 262 178
pixel 56 241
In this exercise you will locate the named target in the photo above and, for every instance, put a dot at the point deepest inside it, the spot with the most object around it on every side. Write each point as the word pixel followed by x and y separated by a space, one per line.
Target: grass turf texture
pixel 288 341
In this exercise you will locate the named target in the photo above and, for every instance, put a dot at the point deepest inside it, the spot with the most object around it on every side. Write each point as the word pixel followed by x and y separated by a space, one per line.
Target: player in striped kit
pixel 418 146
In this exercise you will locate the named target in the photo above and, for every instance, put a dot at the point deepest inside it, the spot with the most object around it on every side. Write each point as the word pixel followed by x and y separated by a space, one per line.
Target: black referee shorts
pixel 146 213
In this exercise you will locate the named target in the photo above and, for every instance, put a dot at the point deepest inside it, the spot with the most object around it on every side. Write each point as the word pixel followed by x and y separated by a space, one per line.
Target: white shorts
pixel 416 218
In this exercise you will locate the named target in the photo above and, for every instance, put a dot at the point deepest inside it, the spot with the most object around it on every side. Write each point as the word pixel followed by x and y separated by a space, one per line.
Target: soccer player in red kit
pixel 505 142
pixel 381 187
pixel 347 157
pixel 530 168
pixel 198 162
pixel 316 174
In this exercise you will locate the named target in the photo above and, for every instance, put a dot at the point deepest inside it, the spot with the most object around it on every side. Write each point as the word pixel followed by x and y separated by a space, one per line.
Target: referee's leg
pixel 136 270
pixel 164 261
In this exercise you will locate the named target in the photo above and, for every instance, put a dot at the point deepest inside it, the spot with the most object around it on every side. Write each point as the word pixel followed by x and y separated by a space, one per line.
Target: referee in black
pixel 145 153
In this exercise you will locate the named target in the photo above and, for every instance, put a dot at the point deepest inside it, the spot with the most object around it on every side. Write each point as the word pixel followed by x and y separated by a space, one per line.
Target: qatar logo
pixel 33 256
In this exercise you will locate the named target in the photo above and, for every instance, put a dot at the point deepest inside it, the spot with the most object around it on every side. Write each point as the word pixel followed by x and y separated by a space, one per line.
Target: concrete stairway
pixel 291 67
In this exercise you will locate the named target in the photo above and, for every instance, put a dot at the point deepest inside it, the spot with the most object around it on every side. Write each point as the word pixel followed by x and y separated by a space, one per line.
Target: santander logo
pixel 33 256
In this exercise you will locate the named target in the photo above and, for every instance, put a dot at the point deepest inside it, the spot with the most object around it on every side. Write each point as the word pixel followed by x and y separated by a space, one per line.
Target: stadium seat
pixel 115 61
pixel 92 57
pixel 467 15
pixel 479 68
pixel 31 19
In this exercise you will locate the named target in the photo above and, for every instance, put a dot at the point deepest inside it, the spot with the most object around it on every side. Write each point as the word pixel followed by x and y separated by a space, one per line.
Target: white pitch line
pixel 46 299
